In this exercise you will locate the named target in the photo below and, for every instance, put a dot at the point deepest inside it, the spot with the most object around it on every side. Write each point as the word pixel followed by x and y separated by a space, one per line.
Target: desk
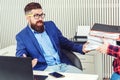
pixel 68 76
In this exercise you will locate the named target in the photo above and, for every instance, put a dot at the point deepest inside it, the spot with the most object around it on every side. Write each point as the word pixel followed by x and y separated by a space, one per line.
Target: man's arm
pixel 20 50
pixel 69 45
pixel 34 61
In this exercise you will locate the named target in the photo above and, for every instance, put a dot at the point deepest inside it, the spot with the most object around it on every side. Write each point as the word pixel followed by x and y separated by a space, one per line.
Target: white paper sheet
pixel 95 42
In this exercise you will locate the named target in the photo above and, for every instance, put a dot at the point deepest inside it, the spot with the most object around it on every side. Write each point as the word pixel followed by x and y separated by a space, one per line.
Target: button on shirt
pixel 50 54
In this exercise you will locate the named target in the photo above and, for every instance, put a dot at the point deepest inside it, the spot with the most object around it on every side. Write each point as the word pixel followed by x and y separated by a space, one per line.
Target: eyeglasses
pixel 37 16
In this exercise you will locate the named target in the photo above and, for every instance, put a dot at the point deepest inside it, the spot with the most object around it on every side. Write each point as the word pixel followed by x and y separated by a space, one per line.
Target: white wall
pixel 67 14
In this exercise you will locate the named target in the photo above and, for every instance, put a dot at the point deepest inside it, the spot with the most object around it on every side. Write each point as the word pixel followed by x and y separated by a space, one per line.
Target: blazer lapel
pixel 51 38
pixel 34 40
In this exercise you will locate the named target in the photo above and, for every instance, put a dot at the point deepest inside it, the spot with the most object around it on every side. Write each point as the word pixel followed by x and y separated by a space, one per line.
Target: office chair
pixel 73 58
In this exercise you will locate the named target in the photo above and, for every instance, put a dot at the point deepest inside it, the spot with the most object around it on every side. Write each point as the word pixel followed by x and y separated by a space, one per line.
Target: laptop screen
pixel 14 68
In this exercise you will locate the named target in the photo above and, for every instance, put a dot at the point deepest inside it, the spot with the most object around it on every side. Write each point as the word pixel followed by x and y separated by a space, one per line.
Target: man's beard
pixel 37 28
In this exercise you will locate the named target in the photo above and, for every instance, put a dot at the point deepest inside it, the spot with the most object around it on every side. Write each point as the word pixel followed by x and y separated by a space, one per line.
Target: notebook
pixel 17 68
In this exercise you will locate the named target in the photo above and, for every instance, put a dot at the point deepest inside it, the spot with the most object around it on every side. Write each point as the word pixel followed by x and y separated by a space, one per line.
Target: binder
pixel 109 32
pixel 106 31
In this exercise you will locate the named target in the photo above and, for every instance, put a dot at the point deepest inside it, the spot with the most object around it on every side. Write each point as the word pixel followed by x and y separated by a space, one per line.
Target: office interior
pixel 67 15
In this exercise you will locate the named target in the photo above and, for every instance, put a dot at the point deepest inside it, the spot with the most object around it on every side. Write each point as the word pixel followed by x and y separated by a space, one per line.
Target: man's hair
pixel 32 5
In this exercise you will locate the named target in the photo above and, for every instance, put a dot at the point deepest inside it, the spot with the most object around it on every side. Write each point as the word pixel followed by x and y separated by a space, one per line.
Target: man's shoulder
pixel 48 22
pixel 24 30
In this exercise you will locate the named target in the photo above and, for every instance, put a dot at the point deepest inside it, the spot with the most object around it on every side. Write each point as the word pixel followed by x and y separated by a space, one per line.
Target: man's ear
pixel 27 18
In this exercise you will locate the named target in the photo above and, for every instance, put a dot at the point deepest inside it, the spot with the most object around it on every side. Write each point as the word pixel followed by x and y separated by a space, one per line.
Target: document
pixel 109 35
pixel 102 31
pixel 106 31
pixel 94 42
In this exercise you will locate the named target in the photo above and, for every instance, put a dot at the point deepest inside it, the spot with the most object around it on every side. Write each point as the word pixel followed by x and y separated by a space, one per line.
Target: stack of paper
pixel 95 42
pixel 106 31
pixel 100 31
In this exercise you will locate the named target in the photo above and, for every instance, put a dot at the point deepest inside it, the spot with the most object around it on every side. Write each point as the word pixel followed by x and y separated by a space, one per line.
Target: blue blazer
pixel 27 44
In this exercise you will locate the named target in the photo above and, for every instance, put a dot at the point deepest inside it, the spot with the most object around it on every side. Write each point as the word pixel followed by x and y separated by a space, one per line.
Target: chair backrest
pixel 73 58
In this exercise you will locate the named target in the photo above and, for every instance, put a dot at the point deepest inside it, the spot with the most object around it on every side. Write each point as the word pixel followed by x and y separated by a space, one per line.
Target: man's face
pixel 35 19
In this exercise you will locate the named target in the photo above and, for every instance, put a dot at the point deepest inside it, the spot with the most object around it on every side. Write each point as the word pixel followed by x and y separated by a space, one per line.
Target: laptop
pixel 17 68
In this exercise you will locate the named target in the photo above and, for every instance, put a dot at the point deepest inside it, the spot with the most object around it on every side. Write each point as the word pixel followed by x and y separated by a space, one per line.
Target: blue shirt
pixel 48 50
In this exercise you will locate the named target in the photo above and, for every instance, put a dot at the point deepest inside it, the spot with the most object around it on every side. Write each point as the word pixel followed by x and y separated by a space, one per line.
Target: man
pixel 42 41
pixel 115 52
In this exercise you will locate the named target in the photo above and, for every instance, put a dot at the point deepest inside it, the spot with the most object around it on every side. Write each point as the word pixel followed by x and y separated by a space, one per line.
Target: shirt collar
pixel 35 32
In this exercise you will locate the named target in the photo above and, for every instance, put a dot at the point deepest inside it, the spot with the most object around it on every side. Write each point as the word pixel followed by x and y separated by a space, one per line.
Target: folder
pixel 98 31
pixel 95 42
pixel 106 31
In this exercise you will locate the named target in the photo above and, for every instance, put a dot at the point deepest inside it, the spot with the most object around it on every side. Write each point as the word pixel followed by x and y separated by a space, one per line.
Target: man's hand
pixel 84 48
pixel 34 61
